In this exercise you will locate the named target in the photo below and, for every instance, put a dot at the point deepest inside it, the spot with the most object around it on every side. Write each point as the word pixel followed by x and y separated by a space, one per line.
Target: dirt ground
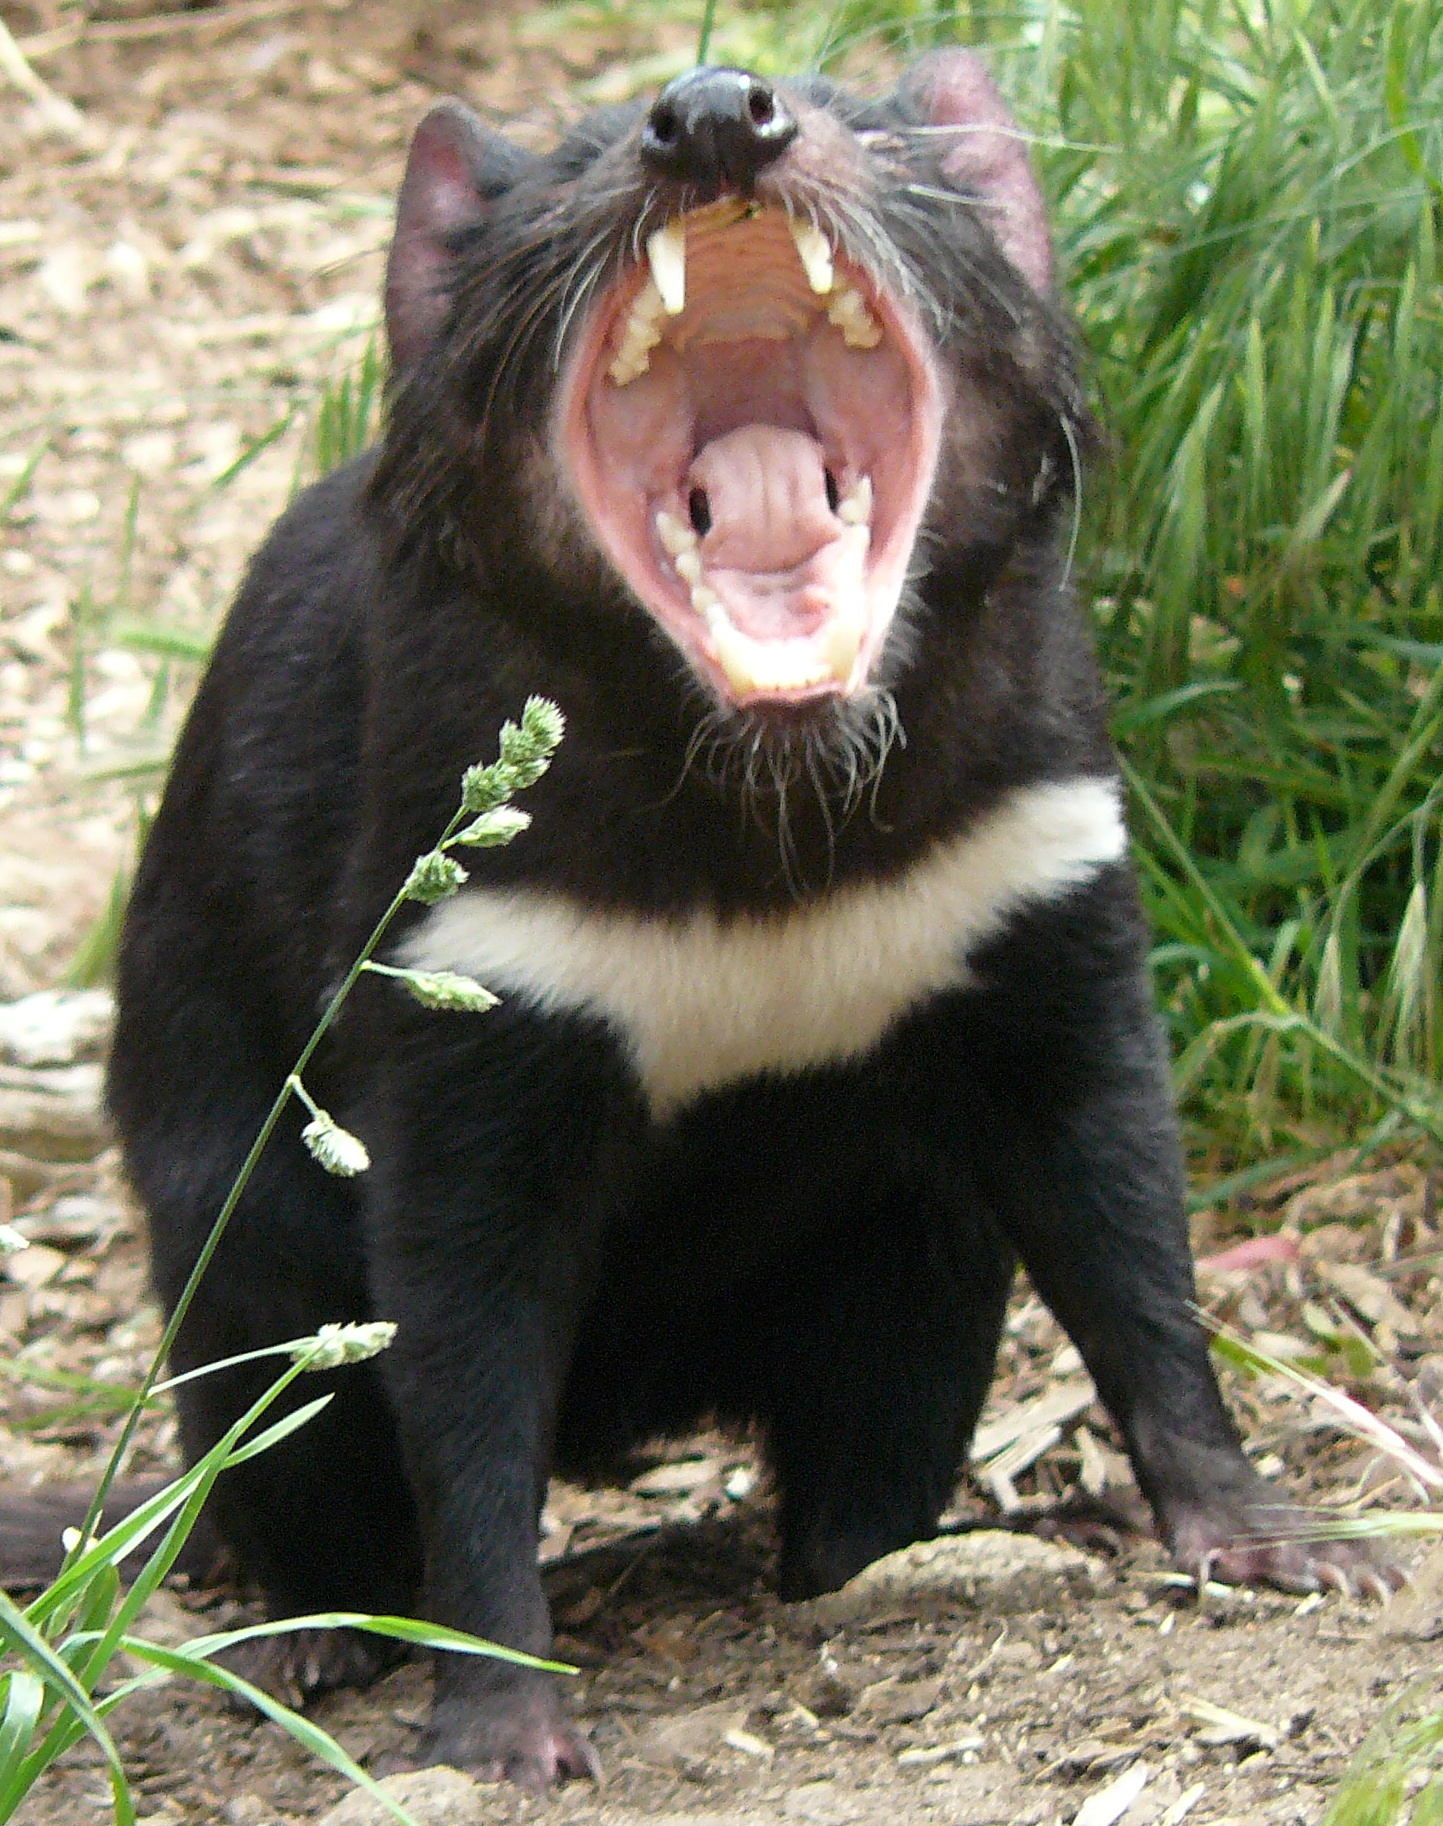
pixel 181 266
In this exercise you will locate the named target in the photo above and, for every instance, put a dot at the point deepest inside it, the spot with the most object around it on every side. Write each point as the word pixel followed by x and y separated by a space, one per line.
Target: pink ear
pixel 454 168
pixel 986 155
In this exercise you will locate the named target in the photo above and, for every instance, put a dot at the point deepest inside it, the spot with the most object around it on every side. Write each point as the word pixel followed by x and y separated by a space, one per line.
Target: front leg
pixel 498 1158
pixel 1080 1156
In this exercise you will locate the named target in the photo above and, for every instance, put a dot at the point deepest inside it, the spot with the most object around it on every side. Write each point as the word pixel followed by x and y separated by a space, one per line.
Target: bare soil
pixel 178 276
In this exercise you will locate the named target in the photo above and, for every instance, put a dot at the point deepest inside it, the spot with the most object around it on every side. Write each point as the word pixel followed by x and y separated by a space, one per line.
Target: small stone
pixel 688 1741
pixel 989 1570
pixel 56 1027
pixel 1415 1614
pixel 35 1266
pixel 898 1702
pixel 433 1797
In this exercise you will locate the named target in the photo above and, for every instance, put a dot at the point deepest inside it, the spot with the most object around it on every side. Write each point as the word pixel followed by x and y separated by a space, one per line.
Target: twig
pixel 54 109
pixel 205 22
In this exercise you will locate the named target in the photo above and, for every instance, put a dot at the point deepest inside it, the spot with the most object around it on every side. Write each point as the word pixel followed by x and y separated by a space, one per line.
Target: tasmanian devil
pixel 746 427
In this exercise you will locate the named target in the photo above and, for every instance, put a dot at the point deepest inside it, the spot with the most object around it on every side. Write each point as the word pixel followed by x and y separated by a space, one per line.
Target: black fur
pixel 828 1255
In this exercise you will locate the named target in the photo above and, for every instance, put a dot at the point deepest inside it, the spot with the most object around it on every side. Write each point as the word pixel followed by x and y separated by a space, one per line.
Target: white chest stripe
pixel 701 1002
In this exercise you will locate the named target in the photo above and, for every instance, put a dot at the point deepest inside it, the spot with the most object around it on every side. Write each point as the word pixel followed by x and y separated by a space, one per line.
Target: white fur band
pixel 700 1002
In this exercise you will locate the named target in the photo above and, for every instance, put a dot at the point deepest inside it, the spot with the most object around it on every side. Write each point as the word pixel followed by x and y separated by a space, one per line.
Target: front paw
pixel 1263 1539
pixel 303 1664
pixel 513 1730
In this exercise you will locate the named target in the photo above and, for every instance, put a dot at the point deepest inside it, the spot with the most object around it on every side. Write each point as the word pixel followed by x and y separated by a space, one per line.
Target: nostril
pixel 761 105
pixel 698 506
pixel 834 494
pixel 664 124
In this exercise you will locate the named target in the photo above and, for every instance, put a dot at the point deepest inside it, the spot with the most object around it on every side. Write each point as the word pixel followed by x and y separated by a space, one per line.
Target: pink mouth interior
pixel 751 426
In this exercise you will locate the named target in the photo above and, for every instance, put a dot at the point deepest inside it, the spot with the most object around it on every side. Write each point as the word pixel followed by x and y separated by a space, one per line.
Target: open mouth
pixel 751 424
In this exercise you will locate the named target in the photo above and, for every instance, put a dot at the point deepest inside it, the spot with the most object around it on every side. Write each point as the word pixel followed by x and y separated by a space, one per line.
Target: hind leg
pixel 885 1353
pixel 322 1521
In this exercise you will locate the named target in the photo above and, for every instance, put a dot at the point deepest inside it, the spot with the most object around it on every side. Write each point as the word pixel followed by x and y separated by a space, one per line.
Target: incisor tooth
pixel 815 253
pixel 768 667
pixel 752 665
pixel 675 535
pixel 855 507
pixel 666 255
pixel 688 565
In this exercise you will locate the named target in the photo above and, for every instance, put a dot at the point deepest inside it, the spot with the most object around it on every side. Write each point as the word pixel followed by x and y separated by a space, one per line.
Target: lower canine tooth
pixel 855 507
pixel 675 535
pixel 843 643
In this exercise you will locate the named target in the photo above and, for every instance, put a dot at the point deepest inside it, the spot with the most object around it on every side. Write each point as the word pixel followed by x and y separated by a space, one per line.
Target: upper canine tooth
pixel 666 255
pixel 815 253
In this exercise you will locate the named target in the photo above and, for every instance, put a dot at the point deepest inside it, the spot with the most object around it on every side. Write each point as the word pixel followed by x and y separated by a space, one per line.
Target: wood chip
pixel 1220 1726
pixel 1183 1805
pixel 678 1479
pixel 1052 1409
pixel 1003 1448
pixel 1369 1297
pixel 1108 1804
pixel 919 1758
pixel 47 1128
pixel 749 1745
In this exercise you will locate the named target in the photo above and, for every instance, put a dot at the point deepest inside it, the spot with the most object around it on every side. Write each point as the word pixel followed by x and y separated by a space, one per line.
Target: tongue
pixel 775 552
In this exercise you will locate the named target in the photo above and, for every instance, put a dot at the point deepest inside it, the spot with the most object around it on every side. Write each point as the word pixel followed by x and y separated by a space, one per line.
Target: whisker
pixel 1075 532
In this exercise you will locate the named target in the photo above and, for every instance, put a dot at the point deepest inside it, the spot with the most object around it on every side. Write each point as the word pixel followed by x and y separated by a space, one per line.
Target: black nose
pixel 717 129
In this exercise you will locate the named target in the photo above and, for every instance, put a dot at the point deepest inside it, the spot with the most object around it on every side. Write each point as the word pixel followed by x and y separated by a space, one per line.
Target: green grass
pixel 1398 1773
pixel 1255 263
pixel 1248 199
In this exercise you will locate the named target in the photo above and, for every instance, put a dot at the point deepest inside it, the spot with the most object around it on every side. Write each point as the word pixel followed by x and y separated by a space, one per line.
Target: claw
pixel 590 1769
pixel 1334 1576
